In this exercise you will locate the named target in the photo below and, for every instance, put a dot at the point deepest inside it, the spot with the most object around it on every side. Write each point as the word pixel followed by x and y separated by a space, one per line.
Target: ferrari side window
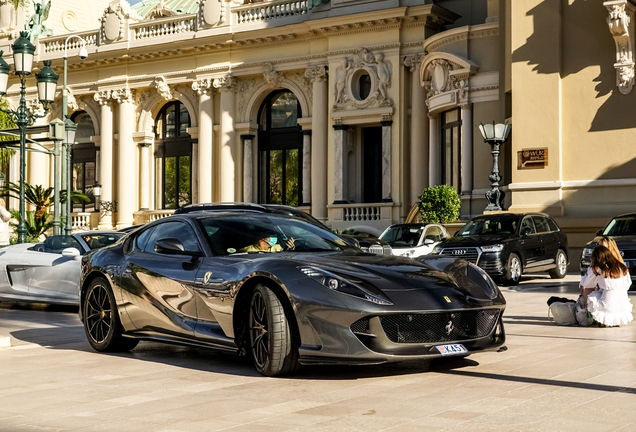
pixel 142 239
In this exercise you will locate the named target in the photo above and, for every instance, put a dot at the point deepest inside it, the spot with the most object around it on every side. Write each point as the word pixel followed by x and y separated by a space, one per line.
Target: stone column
pixel 386 160
pixel 306 201
pixel 434 154
pixel 419 154
pixel 144 176
pixel 126 172
pixel 248 162
pixel 106 160
pixel 319 124
pixel 340 144
pixel 228 146
pixel 206 115
pixel 467 150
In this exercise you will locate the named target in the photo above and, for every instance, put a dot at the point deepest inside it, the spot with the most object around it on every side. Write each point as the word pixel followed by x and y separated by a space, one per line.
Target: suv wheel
pixel 513 270
pixel 561 266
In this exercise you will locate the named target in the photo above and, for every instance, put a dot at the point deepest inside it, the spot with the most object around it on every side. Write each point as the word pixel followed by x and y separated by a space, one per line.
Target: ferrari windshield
pixel 621 226
pixel 495 225
pixel 231 234
pixel 402 235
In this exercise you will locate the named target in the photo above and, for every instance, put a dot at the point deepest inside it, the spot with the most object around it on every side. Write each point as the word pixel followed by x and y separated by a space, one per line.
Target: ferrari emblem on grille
pixel 206 278
pixel 449 327
pixel 447 299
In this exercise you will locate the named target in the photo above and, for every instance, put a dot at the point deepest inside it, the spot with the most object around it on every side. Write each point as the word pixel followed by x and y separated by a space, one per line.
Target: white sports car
pixel 414 239
pixel 48 272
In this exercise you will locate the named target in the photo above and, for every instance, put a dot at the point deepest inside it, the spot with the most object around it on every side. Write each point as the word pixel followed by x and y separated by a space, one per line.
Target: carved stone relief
pixel 271 77
pixel 442 81
pixel 8 18
pixel 225 83
pixel 164 90
pixel 620 24
pixel 124 95
pixel 365 69
pixel 245 92
pixel 211 13
pixel 202 86
pixel 142 98
pixel 305 84
pixel 113 20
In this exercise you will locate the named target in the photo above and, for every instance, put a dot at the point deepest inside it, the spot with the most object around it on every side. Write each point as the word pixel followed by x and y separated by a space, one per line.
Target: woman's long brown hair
pixel 603 260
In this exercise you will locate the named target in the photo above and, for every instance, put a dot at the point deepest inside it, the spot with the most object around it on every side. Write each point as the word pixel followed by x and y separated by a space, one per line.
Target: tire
pixel 561 268
pixel 271 335
pixel 101 320
pixel 514 269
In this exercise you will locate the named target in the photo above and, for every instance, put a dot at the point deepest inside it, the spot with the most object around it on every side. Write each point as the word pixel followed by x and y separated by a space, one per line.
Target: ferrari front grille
pixel 439 326
pixel 361 326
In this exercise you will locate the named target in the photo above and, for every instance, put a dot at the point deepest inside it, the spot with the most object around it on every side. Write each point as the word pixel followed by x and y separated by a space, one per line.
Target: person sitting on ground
pixel 267 242
pixel 608 302
pixel 610 244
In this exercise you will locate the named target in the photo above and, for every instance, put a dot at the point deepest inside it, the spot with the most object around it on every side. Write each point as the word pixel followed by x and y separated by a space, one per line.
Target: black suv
pixel 506 245
pixel 623 230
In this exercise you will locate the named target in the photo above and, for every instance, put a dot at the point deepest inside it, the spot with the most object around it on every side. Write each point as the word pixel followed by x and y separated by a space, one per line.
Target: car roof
pixel 512 214
pixel 223 206
pixel 625 215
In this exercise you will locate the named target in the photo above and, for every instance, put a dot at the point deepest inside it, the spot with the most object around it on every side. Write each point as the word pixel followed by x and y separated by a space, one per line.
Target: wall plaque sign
pixel 532 158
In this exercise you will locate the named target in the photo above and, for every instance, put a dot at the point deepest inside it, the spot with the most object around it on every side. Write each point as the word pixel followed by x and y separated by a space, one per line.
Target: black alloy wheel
pixel 561 268
pixel 514 269
pixel 101 322
pixel 272 340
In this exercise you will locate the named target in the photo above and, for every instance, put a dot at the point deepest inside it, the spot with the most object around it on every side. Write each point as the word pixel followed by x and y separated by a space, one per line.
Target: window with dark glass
pixel 364 86
pixel 84 157
pixel 280 150
pixel 451 148
pixel 174 147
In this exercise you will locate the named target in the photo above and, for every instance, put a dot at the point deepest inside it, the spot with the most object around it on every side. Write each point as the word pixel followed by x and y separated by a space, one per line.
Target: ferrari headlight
pixel 492 290
pixel 492 248
pixel 341 285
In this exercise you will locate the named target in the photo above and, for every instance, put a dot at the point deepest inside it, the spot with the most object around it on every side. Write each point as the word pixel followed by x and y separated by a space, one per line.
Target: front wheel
pixel 272 341
pixel 513 270
pixel 101 322
pixel 561 266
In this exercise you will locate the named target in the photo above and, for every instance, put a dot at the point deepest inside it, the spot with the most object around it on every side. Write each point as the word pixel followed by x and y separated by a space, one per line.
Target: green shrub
pixel 439 204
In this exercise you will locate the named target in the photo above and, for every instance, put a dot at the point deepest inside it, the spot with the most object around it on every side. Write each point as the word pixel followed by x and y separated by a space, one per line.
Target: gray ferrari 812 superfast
pixel 284 292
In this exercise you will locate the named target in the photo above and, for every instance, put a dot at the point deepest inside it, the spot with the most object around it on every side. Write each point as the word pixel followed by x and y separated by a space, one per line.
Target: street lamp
pixel 70 127
pixel 495 135
pixel 23 51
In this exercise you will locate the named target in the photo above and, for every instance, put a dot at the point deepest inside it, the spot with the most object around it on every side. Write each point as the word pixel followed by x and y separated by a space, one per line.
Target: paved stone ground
pixel 550 379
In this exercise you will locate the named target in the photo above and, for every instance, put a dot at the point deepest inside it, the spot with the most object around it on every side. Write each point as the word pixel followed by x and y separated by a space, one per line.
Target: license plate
pixel 627 264
pixel 451 349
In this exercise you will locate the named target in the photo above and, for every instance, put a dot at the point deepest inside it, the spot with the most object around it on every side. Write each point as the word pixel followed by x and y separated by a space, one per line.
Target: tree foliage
pixel 6 123
pixel 439 204
pixel 35 227
pixel 39 197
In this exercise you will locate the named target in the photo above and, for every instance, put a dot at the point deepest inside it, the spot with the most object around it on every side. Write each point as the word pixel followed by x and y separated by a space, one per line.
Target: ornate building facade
pixel 346 108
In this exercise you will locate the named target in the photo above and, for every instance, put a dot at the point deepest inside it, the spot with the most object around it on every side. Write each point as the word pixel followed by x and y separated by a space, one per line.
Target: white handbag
pixel 563 314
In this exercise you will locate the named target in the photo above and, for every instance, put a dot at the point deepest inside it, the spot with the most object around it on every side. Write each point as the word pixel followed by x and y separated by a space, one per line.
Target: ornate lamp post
pixel 495 135
pixel 70 129
pixel 23 51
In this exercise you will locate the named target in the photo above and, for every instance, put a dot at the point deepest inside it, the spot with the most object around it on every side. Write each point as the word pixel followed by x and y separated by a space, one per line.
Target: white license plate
pixel 451 349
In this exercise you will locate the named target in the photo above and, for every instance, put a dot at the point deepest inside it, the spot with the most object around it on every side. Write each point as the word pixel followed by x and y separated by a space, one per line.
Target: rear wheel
pixel 101 322
pixel 271 334
pixel 513 270
pixel 561 266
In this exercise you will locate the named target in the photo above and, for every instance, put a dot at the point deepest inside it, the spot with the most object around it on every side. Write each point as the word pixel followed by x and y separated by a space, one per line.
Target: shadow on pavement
pixel 550 382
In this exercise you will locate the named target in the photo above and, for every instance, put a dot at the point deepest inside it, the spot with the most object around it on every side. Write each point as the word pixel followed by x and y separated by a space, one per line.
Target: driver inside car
pixel 267 242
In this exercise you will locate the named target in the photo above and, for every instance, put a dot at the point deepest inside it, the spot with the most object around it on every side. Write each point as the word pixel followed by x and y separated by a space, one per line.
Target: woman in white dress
pixel 608 303
pixel 5 229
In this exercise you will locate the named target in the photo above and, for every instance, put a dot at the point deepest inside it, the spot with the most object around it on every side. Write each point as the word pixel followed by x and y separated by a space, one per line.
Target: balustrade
pixel 163 27
pixel 269 10
pixel 56 43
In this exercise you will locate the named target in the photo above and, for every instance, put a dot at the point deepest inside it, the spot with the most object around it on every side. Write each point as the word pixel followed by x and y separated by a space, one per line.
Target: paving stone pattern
pixel 550 379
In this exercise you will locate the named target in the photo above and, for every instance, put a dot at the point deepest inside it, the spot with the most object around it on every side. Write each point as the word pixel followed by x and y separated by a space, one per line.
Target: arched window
pixel 280 149
pixel 84 160
pixel 173 147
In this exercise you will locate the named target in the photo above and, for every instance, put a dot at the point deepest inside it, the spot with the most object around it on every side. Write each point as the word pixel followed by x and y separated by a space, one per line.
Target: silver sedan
pixel 48 272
